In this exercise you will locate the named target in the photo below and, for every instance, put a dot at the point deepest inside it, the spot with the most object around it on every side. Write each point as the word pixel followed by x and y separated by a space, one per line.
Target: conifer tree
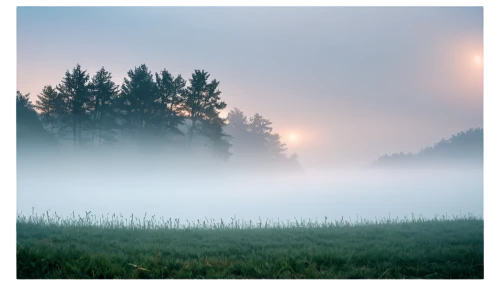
pixel 140 103
pixel 50 107
pixel 75 93
pixel 203 105
pixel 104 94
pixel 171 91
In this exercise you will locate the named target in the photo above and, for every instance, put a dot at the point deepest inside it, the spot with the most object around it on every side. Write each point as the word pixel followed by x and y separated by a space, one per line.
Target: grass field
pixel 93 247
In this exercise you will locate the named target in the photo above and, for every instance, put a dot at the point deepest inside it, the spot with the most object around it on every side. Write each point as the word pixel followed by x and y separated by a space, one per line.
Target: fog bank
pixel 195 190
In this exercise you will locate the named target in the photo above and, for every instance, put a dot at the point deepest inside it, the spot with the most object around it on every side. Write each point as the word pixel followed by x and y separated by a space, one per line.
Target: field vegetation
pixel 112 246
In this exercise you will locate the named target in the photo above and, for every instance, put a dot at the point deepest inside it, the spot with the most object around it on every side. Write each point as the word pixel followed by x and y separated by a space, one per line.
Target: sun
pixel 293 137
pixel 478 60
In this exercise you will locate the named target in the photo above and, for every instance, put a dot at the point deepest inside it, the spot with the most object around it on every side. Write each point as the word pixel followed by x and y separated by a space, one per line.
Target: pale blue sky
pixel 352 83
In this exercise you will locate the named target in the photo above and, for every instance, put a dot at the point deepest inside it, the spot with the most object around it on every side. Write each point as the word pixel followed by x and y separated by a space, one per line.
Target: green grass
pixel 90 247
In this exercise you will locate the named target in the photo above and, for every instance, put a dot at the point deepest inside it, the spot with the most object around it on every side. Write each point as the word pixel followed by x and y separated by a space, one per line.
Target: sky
pixel 348 84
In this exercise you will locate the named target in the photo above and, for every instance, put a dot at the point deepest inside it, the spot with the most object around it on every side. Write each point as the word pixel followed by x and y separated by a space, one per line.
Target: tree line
pixel 148 109
pixel 464 147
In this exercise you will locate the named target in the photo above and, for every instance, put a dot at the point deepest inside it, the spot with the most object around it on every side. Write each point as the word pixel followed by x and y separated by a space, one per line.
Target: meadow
pixel 116 247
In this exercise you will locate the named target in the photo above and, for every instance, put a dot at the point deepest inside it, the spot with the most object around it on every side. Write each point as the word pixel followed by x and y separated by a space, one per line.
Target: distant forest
pixel 154 112
pixel 465 147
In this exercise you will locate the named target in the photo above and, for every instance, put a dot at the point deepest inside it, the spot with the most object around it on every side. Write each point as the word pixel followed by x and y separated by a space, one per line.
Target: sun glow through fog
pixel 478 60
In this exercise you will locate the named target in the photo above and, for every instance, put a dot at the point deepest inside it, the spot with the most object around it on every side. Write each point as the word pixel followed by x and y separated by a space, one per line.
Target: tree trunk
pixel 191 132
pixel 96 110
pixel 79 132
pixel 74 130
pixel 93 133
pixel 100 129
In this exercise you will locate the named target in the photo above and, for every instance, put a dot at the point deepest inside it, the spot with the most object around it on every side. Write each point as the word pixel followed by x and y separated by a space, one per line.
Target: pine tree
pixel 104 94
pixel 140 103
pixel 267 144
pixel 238 128
pixel 193 97
pixel 203 105
pixel 254 142
pixel 237 120
pixel 213 130
pixel 50 107
pixel 275 148
pixel 29 129
pixel 171 91
pixel 74 90
pixel 259 129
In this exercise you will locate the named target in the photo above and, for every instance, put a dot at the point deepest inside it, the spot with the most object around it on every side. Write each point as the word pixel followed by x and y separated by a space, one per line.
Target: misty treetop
pixel 254 140
pixel 30 130
pixel 149 110
pixel 465 147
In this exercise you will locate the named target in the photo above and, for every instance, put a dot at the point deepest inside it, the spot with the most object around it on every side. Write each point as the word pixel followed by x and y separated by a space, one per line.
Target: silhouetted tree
pixel 213 129
pixel 255 143
pixel 29 129
pixel 237 121
pixel 50 106
pixel 171 91
pixel 464 147
pixel 140 103
pixel 104 94
pixel 275 147
pixel 202 105
pixel 260 131
pixel 238 129
pixel 75 93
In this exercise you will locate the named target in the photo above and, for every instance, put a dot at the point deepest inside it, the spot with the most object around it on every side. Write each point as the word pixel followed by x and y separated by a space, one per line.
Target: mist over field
pixel 132 184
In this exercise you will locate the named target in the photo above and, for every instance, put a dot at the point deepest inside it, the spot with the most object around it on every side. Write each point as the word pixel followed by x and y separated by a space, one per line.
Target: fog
pixel 124 183
pixel 311 111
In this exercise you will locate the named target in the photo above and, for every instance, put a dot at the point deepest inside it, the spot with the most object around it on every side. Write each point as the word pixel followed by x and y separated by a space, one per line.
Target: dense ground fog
pixel 194 190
